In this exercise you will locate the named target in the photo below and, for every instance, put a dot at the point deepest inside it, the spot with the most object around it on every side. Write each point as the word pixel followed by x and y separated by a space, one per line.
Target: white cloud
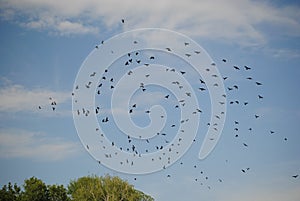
pixel 16 98
pixel 240 21
pixel 68 27
pixel 35 145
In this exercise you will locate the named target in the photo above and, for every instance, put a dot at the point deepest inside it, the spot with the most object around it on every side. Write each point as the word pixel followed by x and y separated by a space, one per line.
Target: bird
pixel 186 43
pixel 152 57
pixel 188 55
pixel 122 21
pixel 258 83
pixel 272 132
pixel 295 176
pixel 169 49
pixel 245 144
pixel 224 60
pixel 235 67
pixel 247 68
pixel 260 97
pixel 197 52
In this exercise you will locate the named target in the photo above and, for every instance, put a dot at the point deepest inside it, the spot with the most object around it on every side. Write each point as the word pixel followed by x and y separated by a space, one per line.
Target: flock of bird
pixel 137 58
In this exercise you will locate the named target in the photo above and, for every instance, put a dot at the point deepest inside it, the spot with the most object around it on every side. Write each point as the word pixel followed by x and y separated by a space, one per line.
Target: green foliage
pixel 34 190
pixel 90 188
pixel 93 188
pixel 57 193
pixel 10 192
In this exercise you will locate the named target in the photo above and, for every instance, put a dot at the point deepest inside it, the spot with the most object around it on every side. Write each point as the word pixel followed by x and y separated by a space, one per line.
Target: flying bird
pixel 235 67
pixel 245 144
pixel 247 68
pixel 201 81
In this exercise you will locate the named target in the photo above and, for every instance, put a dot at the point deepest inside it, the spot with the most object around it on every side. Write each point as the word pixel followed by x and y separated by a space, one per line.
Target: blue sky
pixel 43 45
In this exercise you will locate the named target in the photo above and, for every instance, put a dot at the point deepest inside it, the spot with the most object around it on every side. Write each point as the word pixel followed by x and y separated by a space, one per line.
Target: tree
pixel 10 192
pixel 57 193
pixel 34 190
pixel 90 188
pixel 93 188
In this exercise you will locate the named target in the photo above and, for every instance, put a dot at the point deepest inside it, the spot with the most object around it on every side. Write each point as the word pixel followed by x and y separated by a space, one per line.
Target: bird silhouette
pixel 235 67
pixel 247 68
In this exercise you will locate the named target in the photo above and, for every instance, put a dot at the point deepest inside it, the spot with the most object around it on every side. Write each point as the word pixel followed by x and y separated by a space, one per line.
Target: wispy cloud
pixel 35 145
pixel 17 98
pixel 241 21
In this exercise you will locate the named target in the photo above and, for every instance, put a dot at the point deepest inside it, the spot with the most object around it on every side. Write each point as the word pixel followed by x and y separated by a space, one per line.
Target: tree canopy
pixel 88 188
